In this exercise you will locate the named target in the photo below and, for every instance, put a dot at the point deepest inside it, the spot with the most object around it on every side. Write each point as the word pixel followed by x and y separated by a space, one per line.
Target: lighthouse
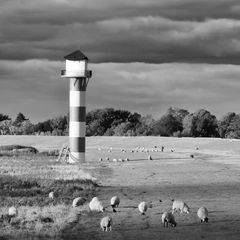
pixel 78 74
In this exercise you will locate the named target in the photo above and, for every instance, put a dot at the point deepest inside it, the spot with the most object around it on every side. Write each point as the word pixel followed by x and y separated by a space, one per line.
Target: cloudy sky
pixel 146 55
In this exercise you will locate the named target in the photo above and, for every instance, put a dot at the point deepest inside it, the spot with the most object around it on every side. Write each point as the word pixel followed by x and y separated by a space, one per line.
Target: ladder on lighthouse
pixel 63 154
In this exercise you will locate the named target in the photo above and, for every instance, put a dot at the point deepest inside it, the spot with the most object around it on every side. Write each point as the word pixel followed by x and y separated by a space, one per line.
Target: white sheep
pixel 12 212
pixel 96 205
pixel 115 202
pixel 51 195
pixel 114 160
pixel 143 207
pixel 107 158
pixel 150 157
pixel 126 159
pixel 181 206
pixel 120 160
pixel 168 218
pixel 100 159
pixel 78 201
pixel 106 223
pixel 203 214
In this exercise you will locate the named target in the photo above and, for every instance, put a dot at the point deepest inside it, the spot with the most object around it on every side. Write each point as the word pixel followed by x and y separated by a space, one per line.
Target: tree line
pixel 175 122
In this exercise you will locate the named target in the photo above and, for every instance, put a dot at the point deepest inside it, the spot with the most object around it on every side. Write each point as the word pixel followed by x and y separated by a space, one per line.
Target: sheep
pixel 78 201
pixel 100 159
pixel 114 160
pixel 12 212
pixel 181 206
pixel 106 223
pixel 143 206
pixel 115 202
pixel 126 159
pixel 192 156
pixel 203 214
pixel 51 195
pixel 150 157
pixel 168 218
pixel 120 160
pixel 107 158
pixel 96 205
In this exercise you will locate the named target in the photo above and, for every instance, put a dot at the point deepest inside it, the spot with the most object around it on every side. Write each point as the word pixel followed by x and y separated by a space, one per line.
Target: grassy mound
pixel 9 150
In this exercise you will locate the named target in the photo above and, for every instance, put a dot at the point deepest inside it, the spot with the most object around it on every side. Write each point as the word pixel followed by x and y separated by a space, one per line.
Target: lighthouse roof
pixel 77 55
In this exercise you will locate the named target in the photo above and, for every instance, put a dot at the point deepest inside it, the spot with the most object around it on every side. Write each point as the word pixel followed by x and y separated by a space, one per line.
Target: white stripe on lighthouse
pixel 77 99
pixel 76 156
pixel 77 129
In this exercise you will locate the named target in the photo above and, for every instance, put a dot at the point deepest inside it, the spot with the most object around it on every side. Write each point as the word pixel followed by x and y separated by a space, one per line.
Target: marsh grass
pixel 26 178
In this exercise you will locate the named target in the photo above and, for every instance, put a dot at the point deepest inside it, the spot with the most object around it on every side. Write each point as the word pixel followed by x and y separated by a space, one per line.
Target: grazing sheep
pixel 181 206
pixel 114 160
pixel 109 151
pixel 115 202
pixel 143 206
pixel 150 157
pixel 172 150
pixel 96 205
pixel 168 218
pixel 107 158
pixel 12 212
pixel 120 160
pixel 126 159
pixel 100 159
pixel 51 195
pixel 106 223
pixel 78 201
pixel 203 214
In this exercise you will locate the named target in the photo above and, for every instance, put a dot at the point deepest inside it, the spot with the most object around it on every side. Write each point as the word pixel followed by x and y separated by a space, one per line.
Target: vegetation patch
pixel 34 192
pixel 10 150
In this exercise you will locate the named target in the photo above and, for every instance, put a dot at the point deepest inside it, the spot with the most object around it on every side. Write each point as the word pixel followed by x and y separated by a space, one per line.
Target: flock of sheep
pixel 167 217
pixel 136 150
pixel 106 222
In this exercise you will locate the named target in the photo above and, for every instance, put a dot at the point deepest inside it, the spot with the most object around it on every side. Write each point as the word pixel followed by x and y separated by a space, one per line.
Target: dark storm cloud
pixel 153 31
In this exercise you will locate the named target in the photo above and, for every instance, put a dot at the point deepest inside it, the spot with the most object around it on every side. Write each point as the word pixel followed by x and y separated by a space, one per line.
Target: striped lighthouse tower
pixel 76 71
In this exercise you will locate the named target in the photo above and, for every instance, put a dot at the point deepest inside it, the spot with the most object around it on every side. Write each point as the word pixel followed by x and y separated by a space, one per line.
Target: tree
pixel 224 124
pixel 19 119
pixel 170 123
pixel 6 127
pixel 189 125
pixel 200 124
pixel 4 117
pixel 233 130
pixel 167 125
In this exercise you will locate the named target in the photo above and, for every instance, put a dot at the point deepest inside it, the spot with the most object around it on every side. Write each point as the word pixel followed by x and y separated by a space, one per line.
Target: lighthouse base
pixel 76 157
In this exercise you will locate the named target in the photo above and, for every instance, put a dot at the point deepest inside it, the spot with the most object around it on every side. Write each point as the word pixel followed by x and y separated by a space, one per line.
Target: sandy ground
pixel 210 179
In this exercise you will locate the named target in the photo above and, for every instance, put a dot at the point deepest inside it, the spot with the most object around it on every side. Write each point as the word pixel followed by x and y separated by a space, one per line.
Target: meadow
pixel 209 178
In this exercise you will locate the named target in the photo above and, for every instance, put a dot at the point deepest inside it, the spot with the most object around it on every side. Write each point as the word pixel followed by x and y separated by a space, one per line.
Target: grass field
pixel 210 178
